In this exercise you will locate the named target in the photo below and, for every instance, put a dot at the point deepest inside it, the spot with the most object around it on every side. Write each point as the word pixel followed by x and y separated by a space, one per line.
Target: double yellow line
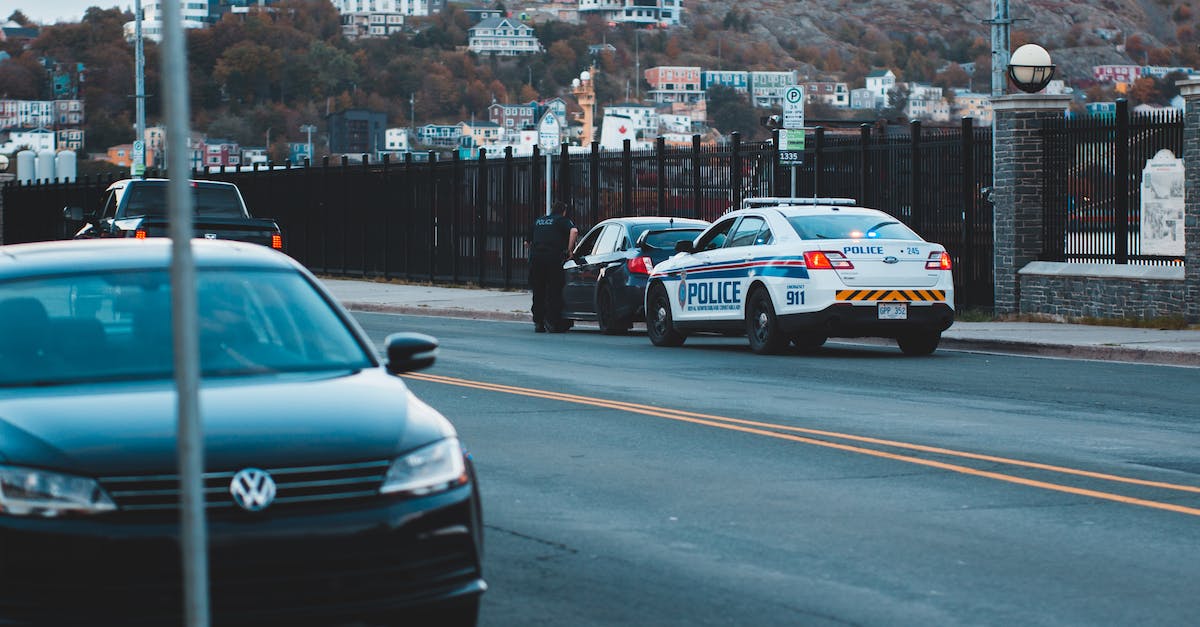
pixel 786 432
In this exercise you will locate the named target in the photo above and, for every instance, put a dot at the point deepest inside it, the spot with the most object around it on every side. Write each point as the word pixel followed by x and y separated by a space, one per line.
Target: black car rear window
pixel 212 201
pixel 666 239
pixel 850 226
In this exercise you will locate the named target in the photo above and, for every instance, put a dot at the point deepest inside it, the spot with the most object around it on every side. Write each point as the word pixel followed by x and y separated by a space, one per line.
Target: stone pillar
pixel 1017 187
pixel 1190 90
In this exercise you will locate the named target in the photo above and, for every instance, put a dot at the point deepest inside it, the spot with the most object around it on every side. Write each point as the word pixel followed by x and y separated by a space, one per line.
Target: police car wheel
pixel 659 325
pixel 920 342
pixel 610 324
pixel 808 342
pixel 762 326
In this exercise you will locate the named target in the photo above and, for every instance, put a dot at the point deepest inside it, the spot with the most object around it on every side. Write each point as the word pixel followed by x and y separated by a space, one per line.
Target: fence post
pixel 535 180
pixel 509 183
pixel 660 158
pixel 456 209
pixel 360 191
pixel 776 183
pixel 695 176
pixel 594 191
pixel 323 207
pixel 818 159
pixel 864 141
pixel 564 174
pixel 387 216
pixel 433 202
pixel 481 185
pixel 1121 174
pixel 1017 189
pixel 966 248
pixel 1190 90
pixel 735 164
pixel 411 182
pixel 627 178
pixel 918 213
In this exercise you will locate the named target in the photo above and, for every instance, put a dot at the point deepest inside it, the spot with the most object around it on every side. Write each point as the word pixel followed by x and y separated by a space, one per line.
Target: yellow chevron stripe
pixel 911 296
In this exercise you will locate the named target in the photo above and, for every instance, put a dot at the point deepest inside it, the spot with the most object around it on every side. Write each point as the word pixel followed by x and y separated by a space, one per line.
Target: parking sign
pixel 793 107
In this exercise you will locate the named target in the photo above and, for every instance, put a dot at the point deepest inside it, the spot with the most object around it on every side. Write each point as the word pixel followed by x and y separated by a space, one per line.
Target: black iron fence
pixel 1093 185
pixel 464 220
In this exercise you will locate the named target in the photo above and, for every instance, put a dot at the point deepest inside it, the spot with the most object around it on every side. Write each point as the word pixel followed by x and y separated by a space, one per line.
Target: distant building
pixel 193 14
pixel 396 140
pixel 69 139
pixel 35 139
pixel 12 31
pixel 736 80
pixel 513 117
pixel 503 37
pixel 670 83
pixel 480 15
pixel 1101 109
pixel 1116 73
pixel 642 12
pixel 969 104
pixel 644 118
pixel 221 153
pixel 380 18
pixel 828 93
pixel 479 133
pixel 446 135
pixel 926 102
pixel 356 131
pixel 880 82
pixel 862 98
pixel 767 88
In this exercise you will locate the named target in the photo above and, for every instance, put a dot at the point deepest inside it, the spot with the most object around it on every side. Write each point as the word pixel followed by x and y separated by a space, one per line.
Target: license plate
pixel 893 311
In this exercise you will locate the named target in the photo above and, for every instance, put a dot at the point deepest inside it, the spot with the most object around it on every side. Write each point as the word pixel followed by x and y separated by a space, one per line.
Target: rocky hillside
pixel 916 37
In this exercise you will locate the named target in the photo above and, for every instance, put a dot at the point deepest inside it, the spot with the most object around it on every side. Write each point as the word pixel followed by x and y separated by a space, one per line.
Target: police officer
pixel 550 241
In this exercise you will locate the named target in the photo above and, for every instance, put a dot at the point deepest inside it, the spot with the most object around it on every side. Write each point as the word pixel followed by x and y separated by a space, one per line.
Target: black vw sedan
pixel 607 273
pixel 332 492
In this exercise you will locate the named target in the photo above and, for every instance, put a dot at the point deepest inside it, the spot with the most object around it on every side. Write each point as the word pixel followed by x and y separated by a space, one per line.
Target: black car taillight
pixel 640 265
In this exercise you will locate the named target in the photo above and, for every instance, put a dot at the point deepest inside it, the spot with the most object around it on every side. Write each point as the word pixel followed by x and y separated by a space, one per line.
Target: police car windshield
pixel 850 226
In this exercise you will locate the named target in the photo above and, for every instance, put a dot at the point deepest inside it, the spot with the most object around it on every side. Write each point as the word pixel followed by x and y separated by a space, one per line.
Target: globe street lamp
pixel 1030 68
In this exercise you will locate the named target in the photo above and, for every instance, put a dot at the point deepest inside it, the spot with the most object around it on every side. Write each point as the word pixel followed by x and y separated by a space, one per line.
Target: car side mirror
pixel 407 352
pixel 684 246
pixel 75 214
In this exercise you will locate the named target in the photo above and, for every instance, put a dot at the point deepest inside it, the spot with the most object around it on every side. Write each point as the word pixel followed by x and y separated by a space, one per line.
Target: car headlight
pixel 427 470
pixel 33 492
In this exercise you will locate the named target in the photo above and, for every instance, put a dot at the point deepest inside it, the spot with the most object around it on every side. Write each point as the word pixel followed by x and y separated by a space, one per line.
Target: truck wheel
pixel 919 342
pixel 762 326
pixel 659 324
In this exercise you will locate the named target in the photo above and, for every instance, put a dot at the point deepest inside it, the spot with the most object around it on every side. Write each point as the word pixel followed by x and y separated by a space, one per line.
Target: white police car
pixel 801 270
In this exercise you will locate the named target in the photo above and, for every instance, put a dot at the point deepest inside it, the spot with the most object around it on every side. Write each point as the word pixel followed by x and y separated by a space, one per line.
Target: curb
pixel 1007 347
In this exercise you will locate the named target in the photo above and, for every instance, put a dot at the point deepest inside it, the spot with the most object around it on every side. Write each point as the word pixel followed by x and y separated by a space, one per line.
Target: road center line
pixel 772 430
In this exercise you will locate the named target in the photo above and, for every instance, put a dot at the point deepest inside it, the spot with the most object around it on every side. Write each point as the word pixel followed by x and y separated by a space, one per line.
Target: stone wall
pixel 1190 89
pixel 1090 290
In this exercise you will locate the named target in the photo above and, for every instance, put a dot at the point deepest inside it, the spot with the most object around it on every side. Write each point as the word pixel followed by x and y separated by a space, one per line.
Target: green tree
pixel 729 110
pixel 248 71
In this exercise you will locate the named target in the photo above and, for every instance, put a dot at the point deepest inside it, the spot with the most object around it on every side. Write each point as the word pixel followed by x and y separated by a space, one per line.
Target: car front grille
pixel 294 486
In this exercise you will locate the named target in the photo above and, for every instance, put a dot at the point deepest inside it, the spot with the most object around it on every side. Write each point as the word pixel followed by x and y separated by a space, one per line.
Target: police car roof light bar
pixel 748 203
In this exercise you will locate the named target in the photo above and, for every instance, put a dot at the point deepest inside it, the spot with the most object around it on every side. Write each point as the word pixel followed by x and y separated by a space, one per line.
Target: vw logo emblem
pixel 252 489
pixel 890 259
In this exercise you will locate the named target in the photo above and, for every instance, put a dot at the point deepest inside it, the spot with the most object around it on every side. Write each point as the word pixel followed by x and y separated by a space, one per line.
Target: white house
pixel 975 105
pixel 36 139
pixel 502 36
pixel 767 88
pixel 644 118
pixel 193 14
pixel 926 102
pixel 880 82
pixel 395 140
pixel 637 12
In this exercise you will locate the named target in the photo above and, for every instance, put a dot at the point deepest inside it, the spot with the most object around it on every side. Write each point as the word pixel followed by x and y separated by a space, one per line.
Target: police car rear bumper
pixel 846 320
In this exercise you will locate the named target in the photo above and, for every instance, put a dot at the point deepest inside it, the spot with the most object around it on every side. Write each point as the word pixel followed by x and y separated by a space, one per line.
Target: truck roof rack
pixel 772 201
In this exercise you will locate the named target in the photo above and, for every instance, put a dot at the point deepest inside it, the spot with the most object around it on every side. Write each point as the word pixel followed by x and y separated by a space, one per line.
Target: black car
pixel 607 273
pixel 332 492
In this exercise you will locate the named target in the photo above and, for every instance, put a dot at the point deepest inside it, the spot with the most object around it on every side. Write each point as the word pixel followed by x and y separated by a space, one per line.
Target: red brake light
pixel 938 261
pixel 140 233
pixel 827 260
pixel 277 242
pixel 640 265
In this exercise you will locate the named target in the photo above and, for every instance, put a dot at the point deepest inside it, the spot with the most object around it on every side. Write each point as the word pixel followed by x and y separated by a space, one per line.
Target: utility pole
pixel 139 87
pixel 412 114
pixel 637 64
pixel 1001 25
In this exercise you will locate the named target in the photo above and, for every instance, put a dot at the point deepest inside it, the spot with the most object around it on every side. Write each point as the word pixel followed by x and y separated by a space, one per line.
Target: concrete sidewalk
pixel 1154 346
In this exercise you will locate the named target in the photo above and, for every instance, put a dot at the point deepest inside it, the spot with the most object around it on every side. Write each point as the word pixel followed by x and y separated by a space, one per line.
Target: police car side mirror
pixel 684 246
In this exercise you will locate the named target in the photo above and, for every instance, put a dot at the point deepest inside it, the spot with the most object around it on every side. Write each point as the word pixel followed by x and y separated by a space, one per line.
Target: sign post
pixel 791 136
pixel 137 168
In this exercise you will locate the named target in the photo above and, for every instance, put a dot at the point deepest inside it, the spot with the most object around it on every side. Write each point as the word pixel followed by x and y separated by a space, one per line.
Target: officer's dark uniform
pixel 547 252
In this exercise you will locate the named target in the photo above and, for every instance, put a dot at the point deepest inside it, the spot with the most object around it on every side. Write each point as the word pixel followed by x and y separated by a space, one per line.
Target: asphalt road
pixel 630 485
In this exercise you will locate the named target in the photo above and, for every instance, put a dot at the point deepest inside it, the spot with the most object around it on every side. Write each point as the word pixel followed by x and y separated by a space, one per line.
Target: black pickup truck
pixel 138 208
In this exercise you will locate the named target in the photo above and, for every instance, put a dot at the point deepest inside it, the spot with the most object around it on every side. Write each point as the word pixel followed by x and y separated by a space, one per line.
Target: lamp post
pixel 1030 69
pixel 309 129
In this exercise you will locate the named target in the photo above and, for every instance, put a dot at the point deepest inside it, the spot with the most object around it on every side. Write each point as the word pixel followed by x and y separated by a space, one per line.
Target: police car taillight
pixel 640 265
pixel 827 260
pixel 938 261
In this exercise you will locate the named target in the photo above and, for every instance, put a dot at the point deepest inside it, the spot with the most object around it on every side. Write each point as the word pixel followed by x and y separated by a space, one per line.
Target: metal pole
pixel 549 182
pixel 190 440
pixel 1001 25
pixel 140 81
